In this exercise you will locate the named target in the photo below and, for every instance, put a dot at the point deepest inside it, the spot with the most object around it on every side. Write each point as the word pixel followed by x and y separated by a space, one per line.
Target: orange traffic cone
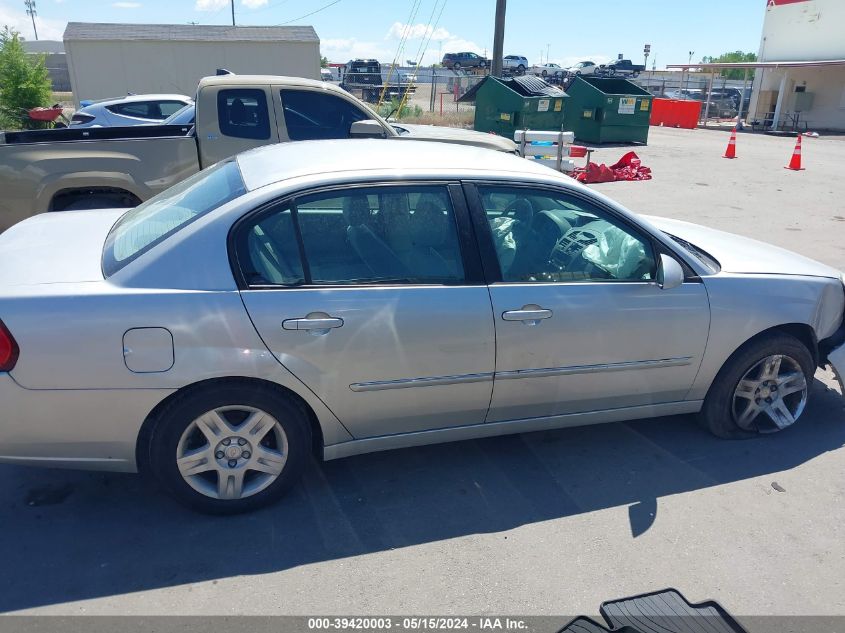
pixel 731 151
pixel 795 162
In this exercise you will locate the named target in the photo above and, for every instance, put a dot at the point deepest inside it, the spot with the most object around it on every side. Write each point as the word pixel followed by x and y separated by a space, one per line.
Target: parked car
pixel 620 68
pixel 582 68
pixel 326 74
pixel 720 105
pixel 107 168
pixel 332 298
pixel 457 61
pixel 515 63
pixel 548 69
pixel 131 110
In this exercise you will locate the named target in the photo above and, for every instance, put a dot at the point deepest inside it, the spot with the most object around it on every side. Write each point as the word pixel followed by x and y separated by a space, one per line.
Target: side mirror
pixel 367 128
pixel 669 273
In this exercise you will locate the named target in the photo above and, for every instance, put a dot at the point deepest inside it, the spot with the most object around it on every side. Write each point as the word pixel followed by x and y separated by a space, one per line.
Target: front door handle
pixel 318 325
pixel 529 315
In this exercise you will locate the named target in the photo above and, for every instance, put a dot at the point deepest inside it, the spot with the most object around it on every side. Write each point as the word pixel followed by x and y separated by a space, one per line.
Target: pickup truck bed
pixel 93 134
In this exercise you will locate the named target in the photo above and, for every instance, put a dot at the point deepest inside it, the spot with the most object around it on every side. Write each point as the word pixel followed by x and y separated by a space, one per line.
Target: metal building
pixel 111 60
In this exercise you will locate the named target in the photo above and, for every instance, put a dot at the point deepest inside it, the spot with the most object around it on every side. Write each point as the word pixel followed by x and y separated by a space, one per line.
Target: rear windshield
pixel 160 217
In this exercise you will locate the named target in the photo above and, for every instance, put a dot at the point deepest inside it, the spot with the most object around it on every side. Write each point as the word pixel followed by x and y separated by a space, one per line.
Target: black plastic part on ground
pixel 665 611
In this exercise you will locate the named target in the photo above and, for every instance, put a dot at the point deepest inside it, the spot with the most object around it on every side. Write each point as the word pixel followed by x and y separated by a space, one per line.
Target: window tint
pixel 542 236
pixel 139 109
pixel 242 113
pixel 163 215
pixel 358 236
pixel 169 108
pixel 316 115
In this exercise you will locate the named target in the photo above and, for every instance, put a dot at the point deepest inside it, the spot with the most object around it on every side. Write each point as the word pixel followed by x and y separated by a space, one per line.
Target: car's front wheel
pixel 762 388
pixel 230 447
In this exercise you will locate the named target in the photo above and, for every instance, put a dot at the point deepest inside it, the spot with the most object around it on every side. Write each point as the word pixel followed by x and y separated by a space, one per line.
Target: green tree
pixel 324 62
pixel 24 81
pixel 731 58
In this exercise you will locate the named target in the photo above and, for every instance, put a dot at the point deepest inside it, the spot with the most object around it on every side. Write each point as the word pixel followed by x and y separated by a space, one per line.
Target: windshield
pixel 158 218
pixel 704 257
pixel 183 116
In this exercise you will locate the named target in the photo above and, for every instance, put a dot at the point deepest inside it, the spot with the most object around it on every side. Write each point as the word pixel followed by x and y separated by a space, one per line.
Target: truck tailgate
pixel 64 246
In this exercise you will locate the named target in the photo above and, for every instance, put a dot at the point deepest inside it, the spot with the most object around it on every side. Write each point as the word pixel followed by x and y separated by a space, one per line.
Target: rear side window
pixel 138 109
pixel 373 235
pixel 242 113
pixel 158 218
pixel 310 114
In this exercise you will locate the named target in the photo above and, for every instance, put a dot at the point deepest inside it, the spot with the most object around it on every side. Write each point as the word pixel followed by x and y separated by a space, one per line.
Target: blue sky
pixel 570 31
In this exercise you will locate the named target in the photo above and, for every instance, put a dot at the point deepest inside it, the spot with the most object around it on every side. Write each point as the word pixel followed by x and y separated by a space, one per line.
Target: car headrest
pixel 429 225
pixel 356 210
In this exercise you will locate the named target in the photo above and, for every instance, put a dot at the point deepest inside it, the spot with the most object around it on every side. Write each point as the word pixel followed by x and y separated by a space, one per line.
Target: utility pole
pixel 233 12
pixel 499 39
pixel 30 10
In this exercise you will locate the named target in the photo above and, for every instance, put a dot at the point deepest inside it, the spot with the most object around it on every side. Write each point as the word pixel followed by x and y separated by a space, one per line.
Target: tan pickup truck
pixel 91 168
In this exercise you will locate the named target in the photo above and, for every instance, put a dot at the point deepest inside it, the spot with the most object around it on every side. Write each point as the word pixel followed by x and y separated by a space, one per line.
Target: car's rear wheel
pixel 229 448
pixel 763 388
pixel 456 66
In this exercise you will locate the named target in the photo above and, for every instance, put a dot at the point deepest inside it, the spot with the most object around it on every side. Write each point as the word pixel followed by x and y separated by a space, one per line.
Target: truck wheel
pixel 99 202
pixel 762 388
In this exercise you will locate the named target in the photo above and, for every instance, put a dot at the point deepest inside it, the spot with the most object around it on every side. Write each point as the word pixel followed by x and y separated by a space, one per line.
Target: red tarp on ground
pixel 627 168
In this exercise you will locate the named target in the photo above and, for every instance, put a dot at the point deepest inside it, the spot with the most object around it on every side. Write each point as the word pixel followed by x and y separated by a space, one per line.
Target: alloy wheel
pixel 232 452
pixel 771 395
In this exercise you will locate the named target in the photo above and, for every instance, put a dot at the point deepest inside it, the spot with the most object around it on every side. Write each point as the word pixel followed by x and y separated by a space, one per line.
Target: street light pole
pixel 30 10
pixel 498 39
pixel 233 12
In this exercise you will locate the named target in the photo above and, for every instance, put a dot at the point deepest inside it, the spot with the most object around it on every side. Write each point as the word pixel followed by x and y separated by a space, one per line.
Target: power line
pixel 302 17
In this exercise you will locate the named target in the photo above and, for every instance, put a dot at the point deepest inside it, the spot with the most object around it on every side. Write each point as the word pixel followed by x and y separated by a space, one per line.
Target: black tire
pixel 520 69
pixel 482 64
pixel 717 414
pixel 544 73
pixel 185 409
pixel 99 202
pixel 456 66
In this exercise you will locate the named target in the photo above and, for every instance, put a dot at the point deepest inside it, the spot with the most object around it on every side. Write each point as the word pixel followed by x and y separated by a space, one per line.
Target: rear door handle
pixel 529 316
pixel 317 326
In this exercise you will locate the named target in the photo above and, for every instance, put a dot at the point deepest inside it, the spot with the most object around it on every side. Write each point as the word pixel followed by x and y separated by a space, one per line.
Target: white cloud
pixel 253 4
pixel 210 5
pixel 341 50
pixel 126 5
pixel 398 30
pixel 441 41
pixel 48 29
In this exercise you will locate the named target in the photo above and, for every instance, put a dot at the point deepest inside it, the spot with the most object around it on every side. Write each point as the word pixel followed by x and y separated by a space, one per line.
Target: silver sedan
pixel 340 297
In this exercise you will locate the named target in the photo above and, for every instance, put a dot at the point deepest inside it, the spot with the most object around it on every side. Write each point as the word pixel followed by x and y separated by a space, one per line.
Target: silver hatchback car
pixel 340 297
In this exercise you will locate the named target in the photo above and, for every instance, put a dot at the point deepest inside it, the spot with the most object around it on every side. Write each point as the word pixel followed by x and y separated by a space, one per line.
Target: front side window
pixel 163 215
pixel 242 113
pixel 372 235
pixel 543 236
pixel 310 115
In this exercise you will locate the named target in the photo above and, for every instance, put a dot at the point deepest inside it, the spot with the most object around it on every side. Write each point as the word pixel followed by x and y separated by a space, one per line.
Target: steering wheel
pixel 568 252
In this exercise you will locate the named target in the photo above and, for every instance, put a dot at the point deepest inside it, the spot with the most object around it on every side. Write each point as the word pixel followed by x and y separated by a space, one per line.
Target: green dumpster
pixel 503 106
pixel 607 110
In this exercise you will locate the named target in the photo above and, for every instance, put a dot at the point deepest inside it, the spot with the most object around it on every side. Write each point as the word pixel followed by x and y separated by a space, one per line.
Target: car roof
pixel 260 80
pixel 151 97
pixel 380 158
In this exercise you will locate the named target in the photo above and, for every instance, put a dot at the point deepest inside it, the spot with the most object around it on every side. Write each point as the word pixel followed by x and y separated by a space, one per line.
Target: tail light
pixel 8 349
